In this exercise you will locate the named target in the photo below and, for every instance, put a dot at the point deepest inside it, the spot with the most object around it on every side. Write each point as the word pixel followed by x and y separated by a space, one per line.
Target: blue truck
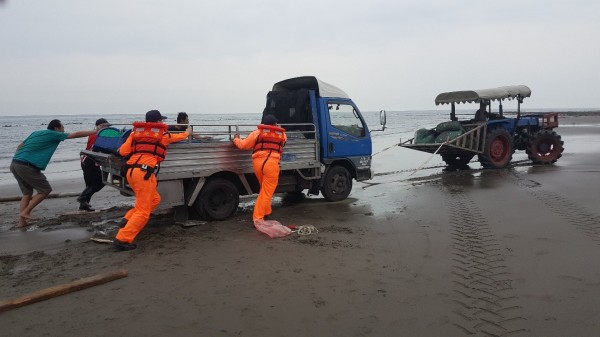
pixel 329 146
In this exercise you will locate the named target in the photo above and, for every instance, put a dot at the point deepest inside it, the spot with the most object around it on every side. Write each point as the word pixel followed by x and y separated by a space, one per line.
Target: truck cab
pixel 343 135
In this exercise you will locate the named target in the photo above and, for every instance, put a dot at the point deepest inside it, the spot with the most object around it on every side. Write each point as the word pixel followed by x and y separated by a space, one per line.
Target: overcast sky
pixel 199 56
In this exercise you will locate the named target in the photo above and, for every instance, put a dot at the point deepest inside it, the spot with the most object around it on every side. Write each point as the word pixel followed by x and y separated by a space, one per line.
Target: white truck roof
pixel 323 89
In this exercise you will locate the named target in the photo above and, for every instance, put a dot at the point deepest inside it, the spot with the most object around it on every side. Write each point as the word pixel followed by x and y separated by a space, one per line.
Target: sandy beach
pixel 510 252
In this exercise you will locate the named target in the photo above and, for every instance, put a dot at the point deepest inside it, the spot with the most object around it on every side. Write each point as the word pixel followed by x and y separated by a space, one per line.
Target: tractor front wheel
pixel 545 147
pixel 457 160
pixel 498 149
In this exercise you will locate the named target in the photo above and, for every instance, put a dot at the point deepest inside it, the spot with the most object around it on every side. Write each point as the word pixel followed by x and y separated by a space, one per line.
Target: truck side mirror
pixel 382 119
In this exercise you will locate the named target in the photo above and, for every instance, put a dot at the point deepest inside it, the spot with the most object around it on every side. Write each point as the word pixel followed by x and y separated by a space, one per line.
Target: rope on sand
pixel 304 229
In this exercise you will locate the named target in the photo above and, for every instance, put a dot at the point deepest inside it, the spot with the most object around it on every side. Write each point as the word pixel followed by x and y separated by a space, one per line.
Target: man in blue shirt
pixel 31 158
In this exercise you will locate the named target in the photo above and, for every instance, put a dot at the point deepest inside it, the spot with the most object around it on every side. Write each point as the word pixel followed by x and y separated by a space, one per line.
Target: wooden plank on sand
pixel 62 289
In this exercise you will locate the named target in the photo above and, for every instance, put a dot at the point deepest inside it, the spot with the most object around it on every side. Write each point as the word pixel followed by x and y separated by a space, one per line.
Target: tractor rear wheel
pixel 498 149
pixel 545 147
pixel 457 160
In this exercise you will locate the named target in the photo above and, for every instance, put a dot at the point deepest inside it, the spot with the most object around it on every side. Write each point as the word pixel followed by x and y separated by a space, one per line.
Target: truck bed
pixel 200 160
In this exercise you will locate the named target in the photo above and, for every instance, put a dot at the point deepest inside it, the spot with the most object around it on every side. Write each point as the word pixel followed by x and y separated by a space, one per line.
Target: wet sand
pixel 509 252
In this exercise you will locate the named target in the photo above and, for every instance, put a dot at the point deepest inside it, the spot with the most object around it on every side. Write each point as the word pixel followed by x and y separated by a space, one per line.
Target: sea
pixel 400 126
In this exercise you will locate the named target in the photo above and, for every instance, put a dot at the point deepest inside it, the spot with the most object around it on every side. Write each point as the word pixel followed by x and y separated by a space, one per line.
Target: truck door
pixel 347 132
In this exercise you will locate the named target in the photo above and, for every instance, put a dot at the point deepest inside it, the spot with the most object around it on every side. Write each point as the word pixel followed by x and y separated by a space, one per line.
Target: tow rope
pixel 387 148
pixel 428 159
pixel 420 167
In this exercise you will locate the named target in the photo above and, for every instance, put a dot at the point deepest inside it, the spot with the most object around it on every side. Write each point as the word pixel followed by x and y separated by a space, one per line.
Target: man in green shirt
pixel 31 158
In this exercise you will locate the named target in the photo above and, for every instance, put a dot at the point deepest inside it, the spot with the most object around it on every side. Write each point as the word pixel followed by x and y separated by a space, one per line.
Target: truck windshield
pixel 345 118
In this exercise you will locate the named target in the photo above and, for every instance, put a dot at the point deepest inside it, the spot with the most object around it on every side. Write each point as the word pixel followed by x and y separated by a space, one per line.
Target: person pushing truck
pixel 267 143
pixel 146 147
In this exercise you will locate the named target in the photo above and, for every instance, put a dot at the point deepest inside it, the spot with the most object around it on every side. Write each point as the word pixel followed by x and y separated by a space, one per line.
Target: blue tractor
pixel 492 136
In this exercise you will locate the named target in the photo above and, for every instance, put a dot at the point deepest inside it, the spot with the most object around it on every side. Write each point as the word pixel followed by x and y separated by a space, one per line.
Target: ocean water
pixel 65 162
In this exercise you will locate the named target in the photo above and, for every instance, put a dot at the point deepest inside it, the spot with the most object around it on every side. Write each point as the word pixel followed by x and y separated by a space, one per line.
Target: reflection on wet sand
pixel 20 242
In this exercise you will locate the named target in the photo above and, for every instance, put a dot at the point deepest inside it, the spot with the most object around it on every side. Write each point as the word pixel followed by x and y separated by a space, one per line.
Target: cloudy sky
pixel 200 56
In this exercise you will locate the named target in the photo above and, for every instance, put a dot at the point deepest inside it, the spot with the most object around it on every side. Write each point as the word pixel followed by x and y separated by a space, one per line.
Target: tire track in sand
pixel 580 217
pixel 486 304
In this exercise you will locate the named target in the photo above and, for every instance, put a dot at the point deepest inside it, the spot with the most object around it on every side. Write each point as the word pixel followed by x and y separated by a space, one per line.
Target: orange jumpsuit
pixel 267 173
pixel 146 196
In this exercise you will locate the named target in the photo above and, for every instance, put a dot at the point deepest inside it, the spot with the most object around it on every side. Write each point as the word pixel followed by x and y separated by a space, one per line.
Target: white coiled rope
pixel 306 230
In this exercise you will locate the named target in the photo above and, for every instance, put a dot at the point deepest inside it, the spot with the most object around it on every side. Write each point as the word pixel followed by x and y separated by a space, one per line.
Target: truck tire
pixel 545 147
pixel 498 149
pixel 457 160
pixel 337 184
pixel 218 200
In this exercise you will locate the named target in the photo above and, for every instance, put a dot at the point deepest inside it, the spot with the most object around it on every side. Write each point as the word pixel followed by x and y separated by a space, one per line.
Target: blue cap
pixel 269 120
pixel 154 116
pixel 102 121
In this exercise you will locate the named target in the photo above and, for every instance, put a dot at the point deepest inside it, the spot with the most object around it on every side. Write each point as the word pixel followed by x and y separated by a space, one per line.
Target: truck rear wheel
pixel 337 184
pixel 498 149
pixel 545 147
pixel 218 200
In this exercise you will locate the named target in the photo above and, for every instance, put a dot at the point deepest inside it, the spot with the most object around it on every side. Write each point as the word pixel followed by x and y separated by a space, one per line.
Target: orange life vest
pixel 271 138
pixel 147 139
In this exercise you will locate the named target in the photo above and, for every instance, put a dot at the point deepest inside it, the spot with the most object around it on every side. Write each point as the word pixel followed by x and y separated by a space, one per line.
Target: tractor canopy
pixel 484 95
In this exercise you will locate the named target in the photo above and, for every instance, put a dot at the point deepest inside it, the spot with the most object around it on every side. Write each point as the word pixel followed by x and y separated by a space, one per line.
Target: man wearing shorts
pixel 31 158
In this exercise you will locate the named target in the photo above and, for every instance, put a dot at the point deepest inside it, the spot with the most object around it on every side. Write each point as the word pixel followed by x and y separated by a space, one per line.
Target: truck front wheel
pixel 218 200
pixel 337 184
pixel 457 160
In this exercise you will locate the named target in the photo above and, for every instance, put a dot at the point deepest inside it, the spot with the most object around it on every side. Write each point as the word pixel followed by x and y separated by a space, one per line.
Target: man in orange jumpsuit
pixel 267 142
pixel 147 147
